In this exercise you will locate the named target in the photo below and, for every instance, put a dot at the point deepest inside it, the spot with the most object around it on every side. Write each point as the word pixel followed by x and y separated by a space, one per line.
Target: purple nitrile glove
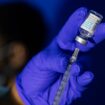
pixel 40 79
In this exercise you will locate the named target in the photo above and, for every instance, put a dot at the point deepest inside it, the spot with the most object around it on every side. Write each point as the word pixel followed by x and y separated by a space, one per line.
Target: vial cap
pixel 81 40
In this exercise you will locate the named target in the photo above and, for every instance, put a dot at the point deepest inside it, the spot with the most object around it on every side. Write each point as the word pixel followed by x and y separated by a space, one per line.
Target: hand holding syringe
pixel 41 78
pixel 86 31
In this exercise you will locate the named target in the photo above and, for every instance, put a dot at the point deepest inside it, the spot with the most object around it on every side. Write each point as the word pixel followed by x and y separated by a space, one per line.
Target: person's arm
pixel 15 95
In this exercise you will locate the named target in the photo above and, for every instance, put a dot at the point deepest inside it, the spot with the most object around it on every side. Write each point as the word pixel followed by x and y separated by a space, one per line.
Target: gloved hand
pixel 40 79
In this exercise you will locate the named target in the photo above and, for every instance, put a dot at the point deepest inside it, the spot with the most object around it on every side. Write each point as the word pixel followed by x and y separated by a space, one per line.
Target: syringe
pixel 86 31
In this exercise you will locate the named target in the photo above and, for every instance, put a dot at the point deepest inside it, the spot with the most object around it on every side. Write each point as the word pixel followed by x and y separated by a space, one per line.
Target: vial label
pixel 90 23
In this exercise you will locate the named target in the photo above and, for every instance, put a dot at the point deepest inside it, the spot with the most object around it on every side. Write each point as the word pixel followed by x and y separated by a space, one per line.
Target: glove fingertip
pixel 75 69
pixel 85 79
pixel 99 34
pixel 82 11
pixel 89 75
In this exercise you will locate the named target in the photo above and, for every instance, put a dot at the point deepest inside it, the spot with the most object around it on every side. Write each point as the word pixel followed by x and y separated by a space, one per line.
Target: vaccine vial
pixel 88 26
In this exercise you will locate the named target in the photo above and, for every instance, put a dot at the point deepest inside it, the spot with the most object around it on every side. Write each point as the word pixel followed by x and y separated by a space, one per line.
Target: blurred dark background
pixel 29 26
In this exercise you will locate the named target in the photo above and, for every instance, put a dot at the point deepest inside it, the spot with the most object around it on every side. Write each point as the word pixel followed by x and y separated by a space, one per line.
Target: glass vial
pixel 88 26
